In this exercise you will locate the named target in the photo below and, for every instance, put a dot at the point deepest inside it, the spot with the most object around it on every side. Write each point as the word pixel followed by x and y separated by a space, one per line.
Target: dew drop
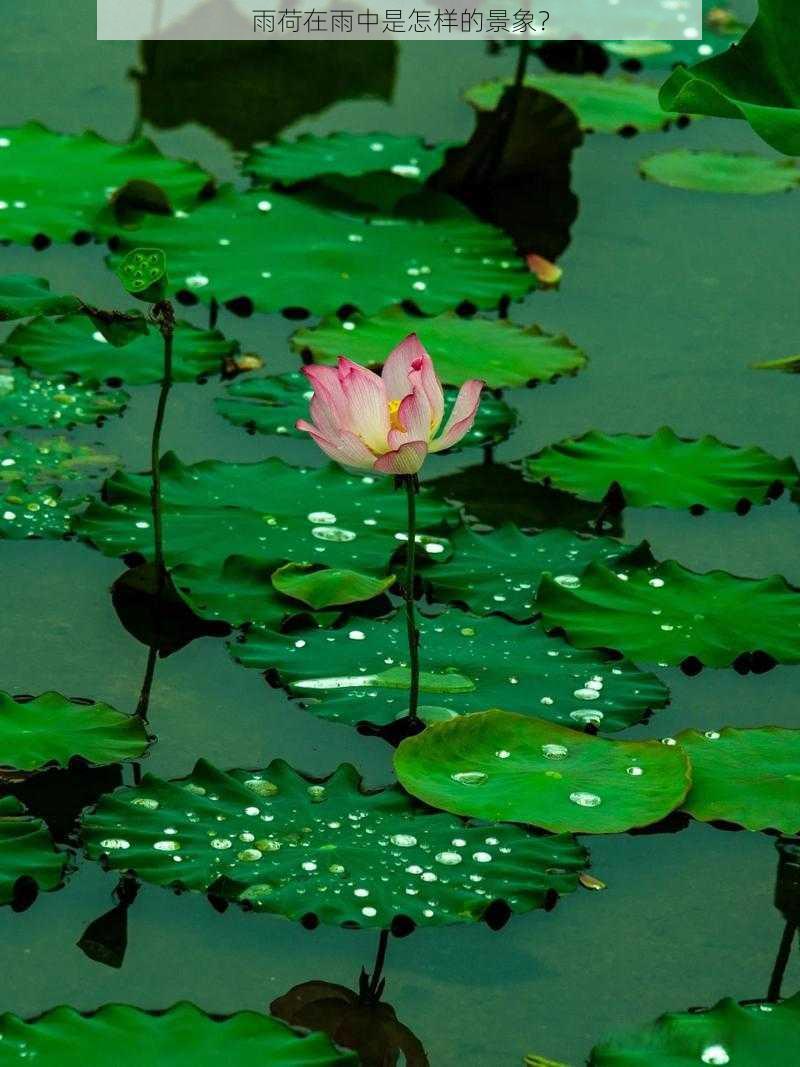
pixel 715 1054
pixel 332 533
pixel 634 772
pixel 469 777
pixel 115 843
pixel 403 840
pixel 321 518
pixel 585 800
pixel 449 859
pixel 555 751
pixel 482 857
pixel 568 581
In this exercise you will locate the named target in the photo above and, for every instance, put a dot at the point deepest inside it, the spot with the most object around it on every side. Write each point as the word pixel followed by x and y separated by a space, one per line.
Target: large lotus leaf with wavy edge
pixel 346 154
pixel 497 765
pixel 118 1035
pixel 212 510
pixel 73 345
pixel 721 172
pixel 663 470
pixel 278 252
pixel 272 405
pixel 298 847
pixel 497 573
pixel 359 673
pixel 56 184
pixel 667 614
pixel 743 1035
pixel 37 402
pixel 51 730
pixel 502 354
pixel 750 777
pixel 26 851
pixel 23 295
pixel 757 80
pixel 601 105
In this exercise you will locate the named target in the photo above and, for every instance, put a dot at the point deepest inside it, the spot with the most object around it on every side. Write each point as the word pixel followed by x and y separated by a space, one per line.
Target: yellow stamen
pixel 394 417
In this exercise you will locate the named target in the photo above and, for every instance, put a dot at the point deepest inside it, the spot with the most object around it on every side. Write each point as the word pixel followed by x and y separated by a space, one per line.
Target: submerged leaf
pixel 23 295
pixel 496 765
pixel 663 470
pixel 118 1035
pixel 749 777
pixel 359 673
pixel 502 354
pixel 29 862
pixel 324 850
pixel 51 730
pixel 721 172
pixel 667 614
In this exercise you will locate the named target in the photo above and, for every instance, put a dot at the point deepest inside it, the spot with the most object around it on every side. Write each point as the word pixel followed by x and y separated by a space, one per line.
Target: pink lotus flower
pixel 386 422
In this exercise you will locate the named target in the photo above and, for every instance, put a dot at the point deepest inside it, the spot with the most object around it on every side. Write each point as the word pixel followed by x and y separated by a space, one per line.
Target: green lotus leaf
pixel 346 154
pixel 241 591
pixel 667 614
pixel 37 402
pixel 55 184
pixel 758 80
pixel 748 777
pixel 23 295
pixel 283 843
pixel 31 503
pixel 326 587
pixel 497 765
pixel 601 105
pixel 502 354
pixel 497 573
pixel 74 345
pixel 26 852
pixel 213 510
pixel 272 405
pixel 721 172
pixel 277 252
pixel 743 1035
pixel 663 471
pixel 50 730
pixel 118 1035
pixel 359 673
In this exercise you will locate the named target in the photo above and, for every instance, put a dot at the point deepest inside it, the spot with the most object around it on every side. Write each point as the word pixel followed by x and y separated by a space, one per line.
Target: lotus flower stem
pixel 375 987
pixel 411 483
pixel 165 316
pixel 781 960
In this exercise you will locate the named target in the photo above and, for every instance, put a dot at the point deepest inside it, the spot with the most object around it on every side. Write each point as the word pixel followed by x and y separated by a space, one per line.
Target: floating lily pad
pixel 502 354
pixel 758 80
pixel 51 730
pixel 32 513
pixel 275 253
pixel 299 847
pixel 497 573
pixel 213 510
pixel 118 1035
pixel 273 405
pixel 74 345
pixel 522 769
pixel 55 184
pixel 668 614
pixel 325 587
pixel 663 471
pixel 602 105
pixel 743 1035
pixel 360 673
pixel 748 777
pixel 346 154
pixel 22 295
pixel 27 855
pixel 721 172
pixel 36 402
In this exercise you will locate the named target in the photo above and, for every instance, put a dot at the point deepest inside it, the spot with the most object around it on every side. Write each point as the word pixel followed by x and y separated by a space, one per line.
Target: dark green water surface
pixel 672 294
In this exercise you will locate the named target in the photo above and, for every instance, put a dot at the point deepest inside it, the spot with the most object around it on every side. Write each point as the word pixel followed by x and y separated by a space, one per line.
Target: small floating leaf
pixel 325 587
pixel 502 354
pixel 667 614
pixel 27 854
pixel 294 846
pixel 36 402
pixel 22 295
pixel 663 470
pixel 721 172
pixel 74 345
pixel 742 1035
pixel 749 777
pixel 118 1035
pixel 602 105
pixel 469 664
pixel 51 730
pixel 497 765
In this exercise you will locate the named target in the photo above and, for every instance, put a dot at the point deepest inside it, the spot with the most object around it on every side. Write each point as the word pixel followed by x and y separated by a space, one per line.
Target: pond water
pixel 672 294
